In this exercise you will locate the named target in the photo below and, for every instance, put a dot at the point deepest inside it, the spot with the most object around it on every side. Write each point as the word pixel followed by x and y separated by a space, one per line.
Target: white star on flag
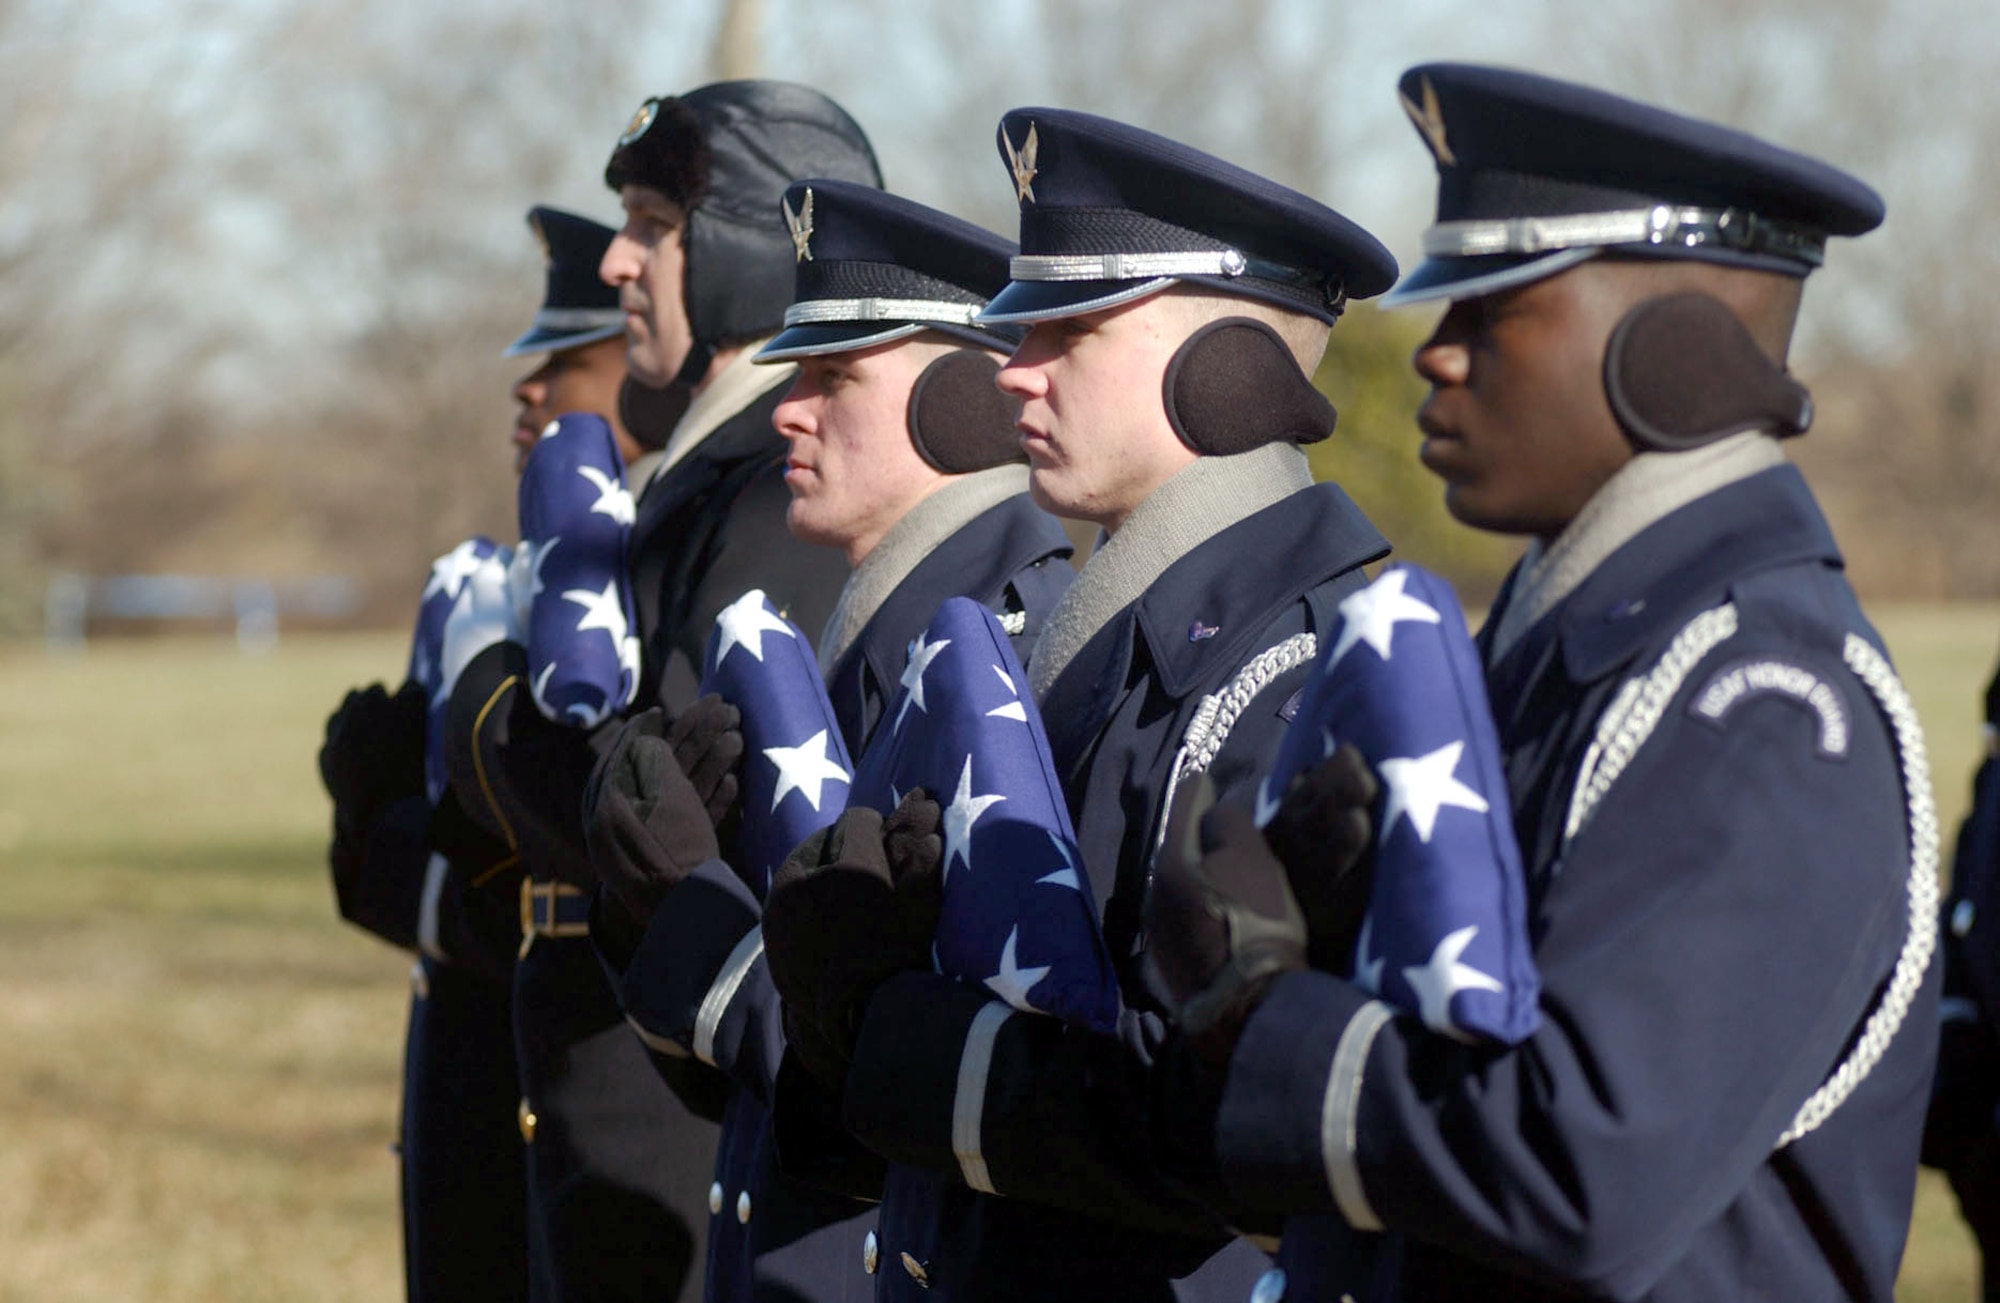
pixel 960 815
pixel 1371 616
pixel 1013 709
pixel 1443 977
pixel 526 573
pixel 744 622
pixel 1367 968
pixel 1422 786
pixel 450 571
pixel 921 656
pixel 1267 804
pixel 805 769
pixel 1065 876
pixel 613 499
pixel 600 610
pixel 1012 983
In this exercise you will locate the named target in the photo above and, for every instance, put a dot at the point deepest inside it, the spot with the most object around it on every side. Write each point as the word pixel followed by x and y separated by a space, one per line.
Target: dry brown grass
pixel 198 1088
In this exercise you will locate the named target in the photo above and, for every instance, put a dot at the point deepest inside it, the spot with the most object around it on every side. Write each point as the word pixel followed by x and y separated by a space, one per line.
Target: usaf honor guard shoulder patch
pixel 1019 917
pixel 1446 935
pixel 795 767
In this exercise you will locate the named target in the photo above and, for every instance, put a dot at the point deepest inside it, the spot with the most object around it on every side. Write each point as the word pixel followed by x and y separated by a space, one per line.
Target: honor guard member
pixel 447 890
pixel 1176 306
pixel 1962 1132
pixel 904 456
pixel 619 1169
pixel 1718 783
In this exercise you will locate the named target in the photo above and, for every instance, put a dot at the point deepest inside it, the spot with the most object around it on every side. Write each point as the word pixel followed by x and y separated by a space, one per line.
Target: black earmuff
pixel 650 415
pixel 1682 370
pixel 959 420
pixel 1234 386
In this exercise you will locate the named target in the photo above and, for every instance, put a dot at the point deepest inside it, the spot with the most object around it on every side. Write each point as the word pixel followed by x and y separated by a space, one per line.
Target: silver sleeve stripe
pixel 1127 266
pixel 657 1044
pixel 579 318
pixel 814 312
pixel 1339 1111
pixel 968 1109
pixel 1663 224
pixel 427 910
pixel 727 982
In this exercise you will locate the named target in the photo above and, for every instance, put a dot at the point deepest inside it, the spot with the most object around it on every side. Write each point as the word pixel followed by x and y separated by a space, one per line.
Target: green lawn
pixel 199 1087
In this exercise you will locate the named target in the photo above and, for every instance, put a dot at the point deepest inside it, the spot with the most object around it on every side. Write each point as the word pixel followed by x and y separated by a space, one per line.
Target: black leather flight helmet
pixel 724 154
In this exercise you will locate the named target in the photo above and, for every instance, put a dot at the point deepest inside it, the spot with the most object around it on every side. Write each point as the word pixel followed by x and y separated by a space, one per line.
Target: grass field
pixel 198 1089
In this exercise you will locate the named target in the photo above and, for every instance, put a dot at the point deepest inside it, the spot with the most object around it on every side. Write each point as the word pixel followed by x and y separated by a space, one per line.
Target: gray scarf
pixel 1645 489
pixel 1207 496
pixel 936 517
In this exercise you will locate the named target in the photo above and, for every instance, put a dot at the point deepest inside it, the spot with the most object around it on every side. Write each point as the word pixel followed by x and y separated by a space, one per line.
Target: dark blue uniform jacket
pixel 698 983
pixel 1048 1116
pixel 1712 936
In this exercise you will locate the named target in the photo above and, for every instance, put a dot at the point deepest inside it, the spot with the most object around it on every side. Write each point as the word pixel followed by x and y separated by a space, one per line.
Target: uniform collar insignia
pixel 1430 121
pixel 641 121
pixel 801 226
pixel 1023 163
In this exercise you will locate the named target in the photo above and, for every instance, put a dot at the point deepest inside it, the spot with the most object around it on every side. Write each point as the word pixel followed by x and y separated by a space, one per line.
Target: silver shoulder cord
pixel 1637 710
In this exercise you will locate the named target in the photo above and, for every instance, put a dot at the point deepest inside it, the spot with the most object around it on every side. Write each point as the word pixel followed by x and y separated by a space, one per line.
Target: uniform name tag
pixel 1747 680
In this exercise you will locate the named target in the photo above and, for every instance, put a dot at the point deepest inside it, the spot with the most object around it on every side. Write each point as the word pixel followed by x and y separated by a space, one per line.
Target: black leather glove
pixel 479 915
pixel 1324 835
pixel 1221 922
pixel 656 800
pixel 521 776
pixel 854 905
pixel 374 750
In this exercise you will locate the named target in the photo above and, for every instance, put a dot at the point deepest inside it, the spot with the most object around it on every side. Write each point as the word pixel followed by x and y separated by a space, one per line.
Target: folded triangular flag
pixel 570 575
pixel 795 772
pixel 1446 934
pixel 1019 918
pixel 476 565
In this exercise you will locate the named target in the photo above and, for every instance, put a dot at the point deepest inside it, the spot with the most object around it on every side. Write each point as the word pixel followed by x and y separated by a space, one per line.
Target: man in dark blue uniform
pixel 618 1168
pixel 426 879
pixel 1176 306
pixel 1962 1132
pixel 903 455
pixel 1717 781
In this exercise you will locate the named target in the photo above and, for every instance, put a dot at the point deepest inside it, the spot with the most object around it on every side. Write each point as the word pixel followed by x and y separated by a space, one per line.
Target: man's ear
pixel 1234 385
pixel 1682 370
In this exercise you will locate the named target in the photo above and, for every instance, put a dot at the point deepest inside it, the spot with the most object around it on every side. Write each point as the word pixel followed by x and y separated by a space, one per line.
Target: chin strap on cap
pixel 1234 386
pixel 959 420
pixel 1682 370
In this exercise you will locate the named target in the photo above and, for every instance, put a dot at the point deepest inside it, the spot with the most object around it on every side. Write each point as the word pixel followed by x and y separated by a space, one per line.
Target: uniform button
pixel 1270 1287
pixel 871 1254
pixel 743 1208
pixel 525 1116
pixel 1962 915
pixel 916 1270
pixel 715 1197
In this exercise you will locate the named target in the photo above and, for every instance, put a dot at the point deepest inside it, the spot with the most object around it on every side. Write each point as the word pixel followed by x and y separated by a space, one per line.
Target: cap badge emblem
pixel 1430 121
pixel 1022 162
pixel 641 121
pixel 801 226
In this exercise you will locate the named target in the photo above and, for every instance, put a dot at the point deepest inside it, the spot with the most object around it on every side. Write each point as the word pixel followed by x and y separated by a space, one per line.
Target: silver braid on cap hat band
pixel 1126 266
pixel 813 312
pixel 1663 225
